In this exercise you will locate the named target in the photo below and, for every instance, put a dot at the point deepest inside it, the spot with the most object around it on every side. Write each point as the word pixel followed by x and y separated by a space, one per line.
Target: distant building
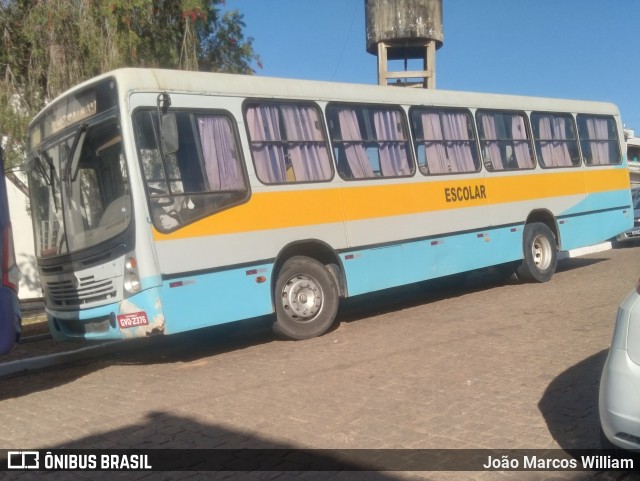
pixel 633 158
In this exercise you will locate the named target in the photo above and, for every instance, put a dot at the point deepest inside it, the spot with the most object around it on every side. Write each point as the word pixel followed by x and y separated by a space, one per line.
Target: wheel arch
pixel 547 218
pixel 315 249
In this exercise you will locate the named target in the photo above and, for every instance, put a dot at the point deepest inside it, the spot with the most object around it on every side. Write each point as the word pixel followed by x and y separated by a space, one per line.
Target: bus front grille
pixel 79 291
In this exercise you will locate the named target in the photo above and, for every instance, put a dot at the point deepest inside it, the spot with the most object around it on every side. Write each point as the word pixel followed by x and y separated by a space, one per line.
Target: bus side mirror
pixel 169 133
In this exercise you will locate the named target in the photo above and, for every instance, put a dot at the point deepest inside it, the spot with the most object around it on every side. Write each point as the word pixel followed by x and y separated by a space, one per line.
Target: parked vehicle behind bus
pixel 165 201
pixel 10 320
pixel 619 395
pixel 632 234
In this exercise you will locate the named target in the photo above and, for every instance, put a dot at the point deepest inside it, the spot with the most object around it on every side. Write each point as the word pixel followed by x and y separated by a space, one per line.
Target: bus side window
pixel 555 139
pixel 372 141
pixel 445 141
pixel 505 142
pixel 599 139
pixel 205 174
pixel 288 142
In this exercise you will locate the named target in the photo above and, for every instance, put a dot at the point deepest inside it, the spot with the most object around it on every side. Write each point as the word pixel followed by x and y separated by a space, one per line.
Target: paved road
pixel 487 366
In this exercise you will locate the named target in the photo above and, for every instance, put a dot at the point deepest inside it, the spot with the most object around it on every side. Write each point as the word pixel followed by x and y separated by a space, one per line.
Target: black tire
pixel 540 254
pixel 305 298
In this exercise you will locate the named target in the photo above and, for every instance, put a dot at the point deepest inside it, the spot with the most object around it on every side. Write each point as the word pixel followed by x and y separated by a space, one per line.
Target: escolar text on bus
pixel 461 194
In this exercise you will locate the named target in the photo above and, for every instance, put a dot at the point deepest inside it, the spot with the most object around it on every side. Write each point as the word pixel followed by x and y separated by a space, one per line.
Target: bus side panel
pixel 202 300
pixel 390 266
pixel 586 224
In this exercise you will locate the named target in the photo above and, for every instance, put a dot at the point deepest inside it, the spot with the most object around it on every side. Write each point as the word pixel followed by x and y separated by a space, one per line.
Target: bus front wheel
pixel 306 299
pixel 540 254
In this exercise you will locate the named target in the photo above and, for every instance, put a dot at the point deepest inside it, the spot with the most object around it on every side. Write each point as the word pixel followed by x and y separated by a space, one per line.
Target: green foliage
pixel 48 46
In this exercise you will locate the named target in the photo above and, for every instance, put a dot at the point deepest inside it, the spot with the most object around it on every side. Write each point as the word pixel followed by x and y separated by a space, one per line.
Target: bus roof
pixel 161 80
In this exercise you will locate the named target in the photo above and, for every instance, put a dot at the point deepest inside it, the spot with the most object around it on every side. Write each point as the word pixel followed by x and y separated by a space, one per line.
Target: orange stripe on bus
pixel 299 208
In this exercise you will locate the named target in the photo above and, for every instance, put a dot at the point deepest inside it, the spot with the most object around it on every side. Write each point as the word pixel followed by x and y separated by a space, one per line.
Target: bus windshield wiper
pixel 74 154
pixel 50 179
pixel 41 168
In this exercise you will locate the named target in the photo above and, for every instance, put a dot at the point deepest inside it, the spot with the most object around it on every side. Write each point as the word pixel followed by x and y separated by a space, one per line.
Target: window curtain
pixel 435 149
pixel 546 145
pixel 456 131
pixel 393 150
pixel 598 134
pixel 307 147
pixel 353 145
pixel 553 136
pixel 492 147
pixel 521 145
pixel 219 152
pixel 266 146
pixel 561 149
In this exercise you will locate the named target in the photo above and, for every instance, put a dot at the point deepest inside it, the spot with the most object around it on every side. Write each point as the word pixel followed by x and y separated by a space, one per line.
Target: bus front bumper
pixel 140 315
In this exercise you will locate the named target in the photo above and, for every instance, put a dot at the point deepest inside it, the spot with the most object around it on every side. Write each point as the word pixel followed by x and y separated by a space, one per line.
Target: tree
pixel 47 46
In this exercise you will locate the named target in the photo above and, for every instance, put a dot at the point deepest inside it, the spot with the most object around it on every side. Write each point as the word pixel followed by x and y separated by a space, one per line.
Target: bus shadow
pixel 212 341
pixel 572 263
pixel 421 293
pixel 183 446
pixel 194 345
pixel 182 347
pixel 217 340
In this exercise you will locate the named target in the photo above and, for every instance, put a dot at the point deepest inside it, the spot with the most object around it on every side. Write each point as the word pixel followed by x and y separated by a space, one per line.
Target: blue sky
pixel 579 49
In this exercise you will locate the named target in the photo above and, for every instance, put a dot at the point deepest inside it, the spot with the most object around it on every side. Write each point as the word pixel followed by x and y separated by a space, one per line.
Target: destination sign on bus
pixel 75 108
pixel 72 111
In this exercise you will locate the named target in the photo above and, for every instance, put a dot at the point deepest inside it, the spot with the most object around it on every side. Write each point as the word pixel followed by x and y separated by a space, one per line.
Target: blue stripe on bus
pixel 390 266
pixel 601 201
pixel 582 225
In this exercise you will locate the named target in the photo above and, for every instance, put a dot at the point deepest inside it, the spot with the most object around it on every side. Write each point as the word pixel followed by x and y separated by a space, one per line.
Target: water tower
pixel 405 30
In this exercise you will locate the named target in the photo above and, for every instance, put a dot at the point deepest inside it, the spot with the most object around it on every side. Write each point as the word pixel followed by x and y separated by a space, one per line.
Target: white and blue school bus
pixel 165 201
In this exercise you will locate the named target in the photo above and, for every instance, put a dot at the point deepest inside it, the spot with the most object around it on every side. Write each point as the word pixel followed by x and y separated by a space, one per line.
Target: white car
pixel 619 402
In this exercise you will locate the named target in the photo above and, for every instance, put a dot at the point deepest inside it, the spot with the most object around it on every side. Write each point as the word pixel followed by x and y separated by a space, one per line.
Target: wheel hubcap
pixel 542 252
pixel 301 298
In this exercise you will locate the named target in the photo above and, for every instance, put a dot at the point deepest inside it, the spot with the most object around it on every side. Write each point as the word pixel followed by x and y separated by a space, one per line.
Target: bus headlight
pixel 131 278
pixel 131 283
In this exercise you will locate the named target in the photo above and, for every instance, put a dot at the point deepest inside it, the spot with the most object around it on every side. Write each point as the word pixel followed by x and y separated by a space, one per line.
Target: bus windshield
pixel 80 193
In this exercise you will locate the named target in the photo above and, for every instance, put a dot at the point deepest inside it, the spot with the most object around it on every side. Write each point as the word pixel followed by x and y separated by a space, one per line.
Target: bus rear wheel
pixel 540 254
pixel 306 299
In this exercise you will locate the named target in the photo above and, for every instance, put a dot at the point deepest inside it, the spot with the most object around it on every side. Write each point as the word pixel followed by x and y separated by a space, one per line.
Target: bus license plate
pixel 133 320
